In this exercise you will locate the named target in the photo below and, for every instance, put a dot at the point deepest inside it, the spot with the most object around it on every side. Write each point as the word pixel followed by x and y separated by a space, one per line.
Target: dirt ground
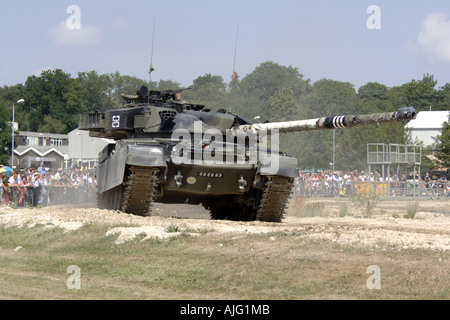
pixel 377 225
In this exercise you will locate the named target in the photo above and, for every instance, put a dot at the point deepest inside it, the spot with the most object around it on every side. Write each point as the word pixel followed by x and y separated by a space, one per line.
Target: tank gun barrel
pixel 344 121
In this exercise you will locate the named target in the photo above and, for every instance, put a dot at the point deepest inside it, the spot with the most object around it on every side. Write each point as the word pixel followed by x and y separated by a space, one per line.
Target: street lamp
pixel 12 132
pixel 81 136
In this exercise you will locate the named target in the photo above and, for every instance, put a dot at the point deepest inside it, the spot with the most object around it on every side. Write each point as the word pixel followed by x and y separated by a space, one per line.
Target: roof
pixel 42 135
pixel 429 120
pixel 41 151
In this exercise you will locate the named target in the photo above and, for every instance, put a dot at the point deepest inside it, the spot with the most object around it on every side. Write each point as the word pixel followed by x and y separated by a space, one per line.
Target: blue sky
pixel 323 39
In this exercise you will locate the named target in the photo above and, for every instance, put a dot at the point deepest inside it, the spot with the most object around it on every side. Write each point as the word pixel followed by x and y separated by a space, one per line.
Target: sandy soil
pixel 385 227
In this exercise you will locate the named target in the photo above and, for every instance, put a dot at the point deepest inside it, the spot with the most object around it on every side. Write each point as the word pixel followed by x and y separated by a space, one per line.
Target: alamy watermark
pixel 374 281
pixel 241 147
pixel 373 22
pixel 74 280
pixel 73 22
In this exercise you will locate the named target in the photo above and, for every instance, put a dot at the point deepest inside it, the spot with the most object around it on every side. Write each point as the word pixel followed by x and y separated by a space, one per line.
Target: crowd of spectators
pixel 31 187
pixel 328 183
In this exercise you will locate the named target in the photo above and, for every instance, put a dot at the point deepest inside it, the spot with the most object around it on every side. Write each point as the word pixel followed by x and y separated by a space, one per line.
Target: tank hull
pixel 133 175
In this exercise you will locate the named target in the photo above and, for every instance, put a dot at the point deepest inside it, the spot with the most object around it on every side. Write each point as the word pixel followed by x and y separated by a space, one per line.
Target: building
pixel 85 149
pixel 427 125
pixel 35 149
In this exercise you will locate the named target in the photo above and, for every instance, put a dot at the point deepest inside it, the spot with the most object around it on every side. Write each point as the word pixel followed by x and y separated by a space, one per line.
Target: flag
pixel 151 67
pixel 234 74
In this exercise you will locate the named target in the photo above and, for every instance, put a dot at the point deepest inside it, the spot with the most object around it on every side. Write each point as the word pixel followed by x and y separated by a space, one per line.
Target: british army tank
pixel 170 151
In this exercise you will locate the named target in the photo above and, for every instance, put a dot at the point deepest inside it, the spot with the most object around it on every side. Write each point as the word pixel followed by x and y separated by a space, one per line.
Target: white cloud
pixel 433 42
pixel 84 36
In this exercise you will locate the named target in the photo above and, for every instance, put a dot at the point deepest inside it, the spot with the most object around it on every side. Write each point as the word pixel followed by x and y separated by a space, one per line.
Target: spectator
pixel 23 184
pixel 445 185
pixel 427 180
pixel 5 188
pixel 30 190
pixel 64 183
pixel 45 189
pixel 57 175
pixel 13 183
pixel 42 170
pixel 37 183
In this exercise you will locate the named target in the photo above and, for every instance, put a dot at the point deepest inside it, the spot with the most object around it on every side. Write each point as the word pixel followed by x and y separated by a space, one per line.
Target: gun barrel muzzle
pixel 406 113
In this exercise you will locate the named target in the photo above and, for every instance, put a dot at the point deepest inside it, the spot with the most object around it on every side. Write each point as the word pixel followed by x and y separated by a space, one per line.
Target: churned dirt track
pixel 381 225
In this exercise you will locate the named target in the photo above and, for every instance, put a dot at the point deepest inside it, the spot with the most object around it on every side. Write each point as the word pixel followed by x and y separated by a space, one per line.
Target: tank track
pixel 140 190
pixel 274 199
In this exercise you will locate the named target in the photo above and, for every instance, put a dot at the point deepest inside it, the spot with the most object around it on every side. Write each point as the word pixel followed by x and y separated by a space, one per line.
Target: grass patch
pixel 313 209
pixel 198 230
pixel 173 228
pixel 343 210
pixel 364 204
pixel 412 210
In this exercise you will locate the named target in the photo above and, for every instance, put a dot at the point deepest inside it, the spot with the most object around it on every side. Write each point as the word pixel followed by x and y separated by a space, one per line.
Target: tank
pixel 169 151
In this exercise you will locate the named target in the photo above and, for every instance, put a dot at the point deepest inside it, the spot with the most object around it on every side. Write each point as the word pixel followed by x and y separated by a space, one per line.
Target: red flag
pixel 234 74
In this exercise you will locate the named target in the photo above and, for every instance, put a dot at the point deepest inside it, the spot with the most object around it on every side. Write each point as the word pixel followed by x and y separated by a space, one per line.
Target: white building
pixel 39 148
pixel 57 150
pixel 83 148
pixel 427 125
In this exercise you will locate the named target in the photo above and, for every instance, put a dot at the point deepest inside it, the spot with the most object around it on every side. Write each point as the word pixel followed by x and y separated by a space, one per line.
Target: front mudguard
pixel 110 173
pixel 274 164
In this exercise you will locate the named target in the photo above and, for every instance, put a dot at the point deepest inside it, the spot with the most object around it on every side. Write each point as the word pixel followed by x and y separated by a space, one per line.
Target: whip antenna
pixel 151 56
pixel 235 50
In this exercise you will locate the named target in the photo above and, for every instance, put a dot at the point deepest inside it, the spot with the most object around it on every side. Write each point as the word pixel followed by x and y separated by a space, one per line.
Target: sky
pixel 357 41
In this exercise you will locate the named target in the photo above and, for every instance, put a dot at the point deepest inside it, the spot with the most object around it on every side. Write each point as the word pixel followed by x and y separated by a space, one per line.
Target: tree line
pixel 271 92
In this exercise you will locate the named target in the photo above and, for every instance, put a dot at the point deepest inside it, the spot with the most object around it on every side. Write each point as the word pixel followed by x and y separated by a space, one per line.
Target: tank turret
pixel 170 151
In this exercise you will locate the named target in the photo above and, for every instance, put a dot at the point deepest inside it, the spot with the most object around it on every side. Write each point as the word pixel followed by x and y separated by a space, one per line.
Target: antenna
pixel 235 50
pixel 151 57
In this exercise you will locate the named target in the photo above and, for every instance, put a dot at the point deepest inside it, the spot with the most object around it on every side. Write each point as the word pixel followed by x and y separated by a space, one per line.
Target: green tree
pixel 429 79
pixel 268 79
pixel 209 90
pixel 314 148
pixel 89 92
pixel 46 95
pixel 8 96
pixel 167 85
pixel 419 94
pixel 5 135
pixel 52 125
pixel 442 144
pixel 443 98
pixel 373 90
pixel 330 97
pixel 283 106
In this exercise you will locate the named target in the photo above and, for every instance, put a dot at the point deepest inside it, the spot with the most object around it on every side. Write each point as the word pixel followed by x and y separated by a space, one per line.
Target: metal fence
pixel 410 188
